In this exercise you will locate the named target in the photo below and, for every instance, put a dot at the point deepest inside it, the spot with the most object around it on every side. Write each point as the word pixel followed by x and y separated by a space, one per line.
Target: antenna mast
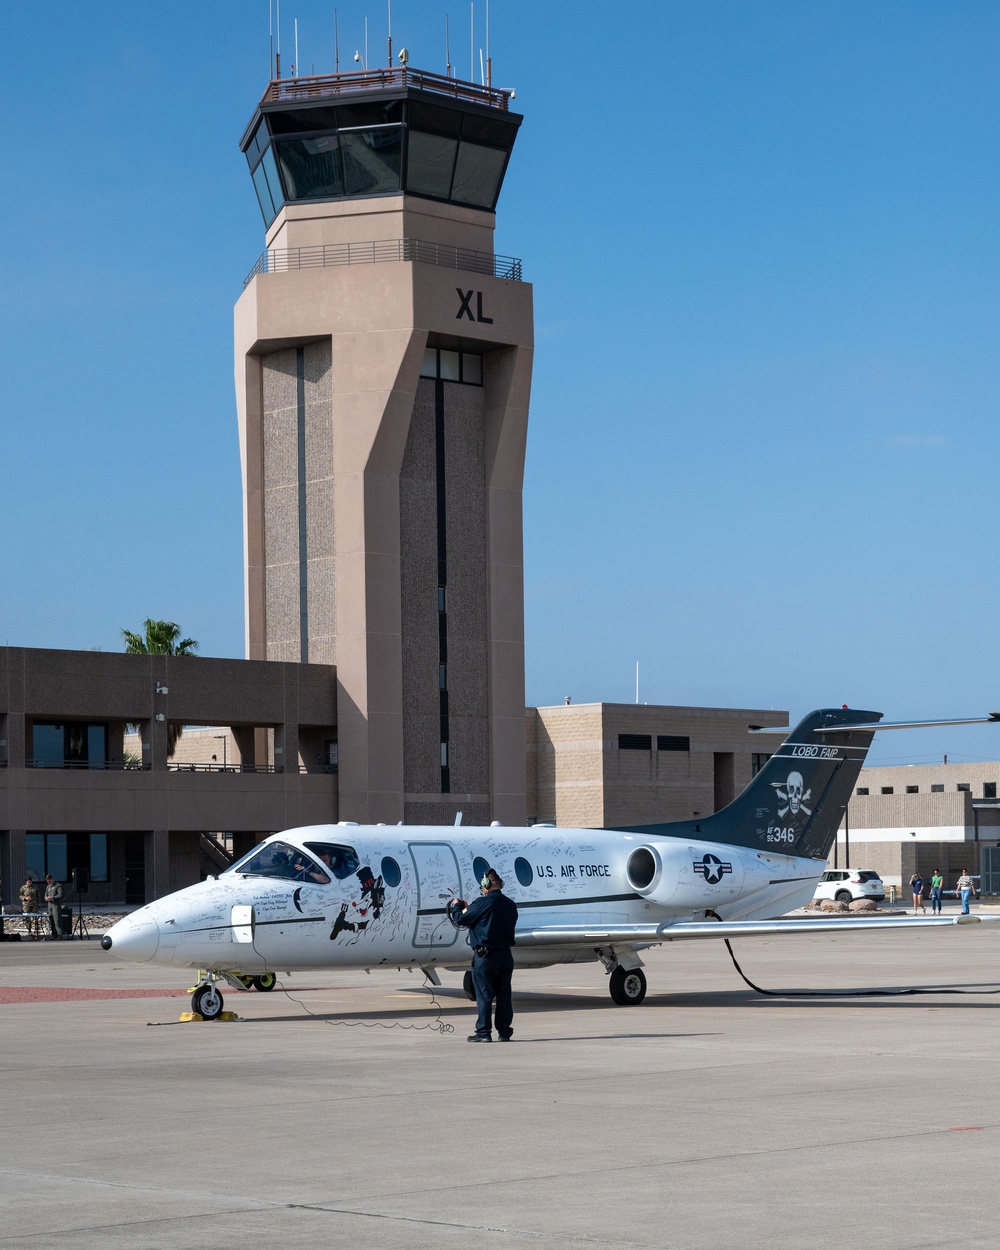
pixel 336 44
pixel 489 63
pixel 447 47
pixel 270 39
pixel 295 67
pixel 277 59
pixel 389 3
pixel 472 40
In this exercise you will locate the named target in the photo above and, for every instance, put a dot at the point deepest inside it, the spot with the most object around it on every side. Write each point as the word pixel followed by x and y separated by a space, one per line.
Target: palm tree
pixel 161 638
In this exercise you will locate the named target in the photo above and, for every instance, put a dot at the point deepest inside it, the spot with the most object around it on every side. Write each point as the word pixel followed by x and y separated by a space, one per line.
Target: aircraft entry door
pixel 437 882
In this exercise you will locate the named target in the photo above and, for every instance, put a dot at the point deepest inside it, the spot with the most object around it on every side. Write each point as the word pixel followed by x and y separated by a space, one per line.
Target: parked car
pixel 848 884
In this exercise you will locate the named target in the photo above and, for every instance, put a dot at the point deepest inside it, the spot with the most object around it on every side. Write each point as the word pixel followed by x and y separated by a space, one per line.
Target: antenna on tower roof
pixel 336 44
pixel 295 67
pixel 270 39
pixel 447 47
pixel 389 5
pixel 277 58
pixel 472 40
pixel 489 64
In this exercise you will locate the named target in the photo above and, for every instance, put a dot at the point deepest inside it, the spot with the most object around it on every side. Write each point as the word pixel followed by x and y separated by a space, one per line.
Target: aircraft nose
pixel 136 937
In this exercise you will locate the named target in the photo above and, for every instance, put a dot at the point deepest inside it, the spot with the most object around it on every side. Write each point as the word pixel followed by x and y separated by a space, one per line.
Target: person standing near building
pixel 28 894
pixel 491 921
pixel 937 885
pixel 917 886
pixel 965 889
pixel 53 898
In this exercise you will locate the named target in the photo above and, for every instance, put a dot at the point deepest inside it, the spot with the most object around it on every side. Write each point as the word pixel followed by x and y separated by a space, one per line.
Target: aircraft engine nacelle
pixel 687 876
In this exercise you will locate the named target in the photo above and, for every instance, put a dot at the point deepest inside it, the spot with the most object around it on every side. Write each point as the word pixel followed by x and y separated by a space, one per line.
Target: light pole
pixel 225 743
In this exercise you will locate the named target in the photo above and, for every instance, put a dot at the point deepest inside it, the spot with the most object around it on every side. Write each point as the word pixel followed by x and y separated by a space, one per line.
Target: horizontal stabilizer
pixel 991 718
pixel 651 934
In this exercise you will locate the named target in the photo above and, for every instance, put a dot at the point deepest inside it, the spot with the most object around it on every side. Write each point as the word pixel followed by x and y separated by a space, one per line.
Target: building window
pixel 61 853
pixel 964 786
pixel 635 742
pixel 937 789
pixel 672 742
pixel 989 789
pixel 862 791
pixel 442 676
pixel 757 761
pixel 69 744
pixel 465 367
pixel 912 789
pixel 887 790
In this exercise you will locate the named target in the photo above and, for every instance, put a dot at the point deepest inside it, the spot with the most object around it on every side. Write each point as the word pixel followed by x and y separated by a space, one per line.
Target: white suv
pixel 847 884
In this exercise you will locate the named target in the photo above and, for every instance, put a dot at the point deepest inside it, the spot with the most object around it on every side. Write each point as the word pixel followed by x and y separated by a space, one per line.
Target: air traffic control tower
pixel 383 365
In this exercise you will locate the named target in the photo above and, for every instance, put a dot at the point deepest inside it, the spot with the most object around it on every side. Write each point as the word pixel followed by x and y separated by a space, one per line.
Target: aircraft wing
pixel 651 934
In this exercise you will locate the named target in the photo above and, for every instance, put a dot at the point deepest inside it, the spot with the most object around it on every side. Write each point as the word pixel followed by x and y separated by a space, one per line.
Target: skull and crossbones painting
pixel 792 795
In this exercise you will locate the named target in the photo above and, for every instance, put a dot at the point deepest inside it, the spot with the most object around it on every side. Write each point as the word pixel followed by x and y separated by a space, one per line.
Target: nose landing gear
pixel 207 1001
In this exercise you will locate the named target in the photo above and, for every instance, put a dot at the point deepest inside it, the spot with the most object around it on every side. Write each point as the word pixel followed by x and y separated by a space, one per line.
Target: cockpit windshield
pixel 289 863
pixel 278 859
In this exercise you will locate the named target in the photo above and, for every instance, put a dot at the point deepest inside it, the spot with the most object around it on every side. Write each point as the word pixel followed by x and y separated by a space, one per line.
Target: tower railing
pixel 323 86
pixel 323 255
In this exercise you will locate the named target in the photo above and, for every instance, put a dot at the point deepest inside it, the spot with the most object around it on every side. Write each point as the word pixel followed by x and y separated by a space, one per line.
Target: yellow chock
pixel 194 1017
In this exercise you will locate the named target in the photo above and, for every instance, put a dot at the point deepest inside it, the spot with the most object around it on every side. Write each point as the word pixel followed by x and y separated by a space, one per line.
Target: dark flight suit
pixel 491 920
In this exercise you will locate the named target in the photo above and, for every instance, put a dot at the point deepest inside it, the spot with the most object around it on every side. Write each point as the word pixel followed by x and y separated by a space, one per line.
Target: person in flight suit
pixel 490 920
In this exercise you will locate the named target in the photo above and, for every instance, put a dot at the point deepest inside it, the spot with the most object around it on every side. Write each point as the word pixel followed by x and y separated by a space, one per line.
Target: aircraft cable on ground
pixel 883 993
pixel 437 1025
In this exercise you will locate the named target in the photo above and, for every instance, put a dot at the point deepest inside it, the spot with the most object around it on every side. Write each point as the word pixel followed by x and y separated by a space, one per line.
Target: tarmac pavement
pixel 708 1117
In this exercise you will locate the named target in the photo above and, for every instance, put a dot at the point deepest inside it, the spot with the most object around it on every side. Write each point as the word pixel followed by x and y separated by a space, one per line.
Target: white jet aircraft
pixel 368 896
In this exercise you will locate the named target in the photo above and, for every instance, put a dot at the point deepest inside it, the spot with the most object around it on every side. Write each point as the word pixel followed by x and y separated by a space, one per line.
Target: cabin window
pixel 390 872
pixel 523 871
pixel 341 860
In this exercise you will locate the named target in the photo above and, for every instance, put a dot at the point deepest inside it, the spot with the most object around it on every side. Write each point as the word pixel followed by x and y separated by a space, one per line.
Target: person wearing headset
pixel 491 921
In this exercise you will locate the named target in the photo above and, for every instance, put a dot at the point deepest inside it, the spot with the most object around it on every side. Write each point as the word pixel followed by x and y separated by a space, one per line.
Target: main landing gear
pixel 627 981
pixel 627 986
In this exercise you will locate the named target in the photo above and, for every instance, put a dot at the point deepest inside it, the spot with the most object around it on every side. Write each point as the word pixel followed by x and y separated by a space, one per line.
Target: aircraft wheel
pixel 265 982
pixel 628 986
pixel 468 986
pixel 207 1002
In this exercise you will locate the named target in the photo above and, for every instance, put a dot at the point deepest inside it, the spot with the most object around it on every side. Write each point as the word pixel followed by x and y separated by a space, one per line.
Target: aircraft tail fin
pixel 796 802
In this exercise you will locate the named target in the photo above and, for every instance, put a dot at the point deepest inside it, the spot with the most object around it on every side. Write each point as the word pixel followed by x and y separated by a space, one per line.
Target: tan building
pixel 383 365
pixel 78 790
pixel 921 816
pixel 598 765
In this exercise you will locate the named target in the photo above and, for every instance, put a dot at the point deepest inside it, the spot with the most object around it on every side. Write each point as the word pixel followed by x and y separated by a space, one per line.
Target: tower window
pixel 449 366
pixel 989 789
pixel 912 789
pixel 862 791
pixel 964 785
pixel 937 789
pixel 887 790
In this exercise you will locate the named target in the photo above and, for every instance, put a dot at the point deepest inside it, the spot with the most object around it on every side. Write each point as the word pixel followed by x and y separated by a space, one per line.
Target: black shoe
pixel 507 1038
pixel 475 1037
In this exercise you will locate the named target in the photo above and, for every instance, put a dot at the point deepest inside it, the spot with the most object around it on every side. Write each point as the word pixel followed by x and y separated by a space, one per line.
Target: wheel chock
pixel 194 1017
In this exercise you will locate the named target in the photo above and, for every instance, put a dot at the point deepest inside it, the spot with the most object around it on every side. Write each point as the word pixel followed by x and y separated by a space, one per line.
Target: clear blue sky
pixel 762 235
